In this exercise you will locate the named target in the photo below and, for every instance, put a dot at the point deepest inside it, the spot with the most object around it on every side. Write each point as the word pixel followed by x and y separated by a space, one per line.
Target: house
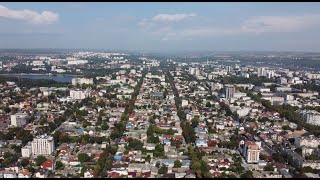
pixel 201 143
pixel 88 174
pixel 73 161
pixel 24 174
pixel 42 173
pixel 150 146
pixel 8 174
pixel 48 164
pixel 170 162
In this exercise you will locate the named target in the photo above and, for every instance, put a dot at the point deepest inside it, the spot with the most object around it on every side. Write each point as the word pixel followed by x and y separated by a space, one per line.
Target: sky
pixel 162 26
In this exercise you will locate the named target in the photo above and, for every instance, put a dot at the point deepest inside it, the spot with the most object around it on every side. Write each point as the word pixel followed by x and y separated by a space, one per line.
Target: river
pixel 58 78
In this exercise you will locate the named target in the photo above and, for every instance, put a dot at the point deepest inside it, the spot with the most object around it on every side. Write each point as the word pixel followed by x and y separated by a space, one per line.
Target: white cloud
pixel 172 17
pixel 252 25
pixel 261 24
pixel 45 17
pixel 147 23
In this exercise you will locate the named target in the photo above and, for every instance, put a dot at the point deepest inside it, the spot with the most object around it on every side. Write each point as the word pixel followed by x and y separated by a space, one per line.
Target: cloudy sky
pixel 162 27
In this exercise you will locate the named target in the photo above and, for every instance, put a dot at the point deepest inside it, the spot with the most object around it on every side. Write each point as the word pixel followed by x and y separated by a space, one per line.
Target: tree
pixel 104 126
pixel 177 164
pixel 195 121
pixel 59 165
pixel 135 144
pixel 25 162
pixel 83 157
pixel 170 132
pixel 163 169
pixel 158 164
pixel 148 158
pixel 268 167
pixel 159 151
pixel 298 150
pixel 40 159
pixel 247 174
pixel 263 157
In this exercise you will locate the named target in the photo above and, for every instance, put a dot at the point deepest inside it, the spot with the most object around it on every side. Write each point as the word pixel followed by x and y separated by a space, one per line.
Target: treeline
pixel 120 127
pixel 187 130
pixel 309 86
pixel 29 83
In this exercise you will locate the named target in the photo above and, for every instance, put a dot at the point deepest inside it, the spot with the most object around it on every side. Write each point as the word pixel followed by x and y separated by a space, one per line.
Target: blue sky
pixel 161 27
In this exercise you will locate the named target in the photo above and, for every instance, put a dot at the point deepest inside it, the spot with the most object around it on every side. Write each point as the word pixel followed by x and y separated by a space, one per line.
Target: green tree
pixel 135 144
pixel 268 167
pixel 40 159
pixel 104 126
pixel 247 174
pixel 25 162
pixel 83 157
pixel 163 170
pixel 159 151
pixel 59 165
pixel 177 164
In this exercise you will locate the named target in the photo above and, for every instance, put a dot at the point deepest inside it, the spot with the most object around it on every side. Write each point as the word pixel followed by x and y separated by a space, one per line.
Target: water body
pixel 58 78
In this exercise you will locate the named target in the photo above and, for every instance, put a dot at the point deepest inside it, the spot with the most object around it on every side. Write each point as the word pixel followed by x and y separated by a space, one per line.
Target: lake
pixel 58 78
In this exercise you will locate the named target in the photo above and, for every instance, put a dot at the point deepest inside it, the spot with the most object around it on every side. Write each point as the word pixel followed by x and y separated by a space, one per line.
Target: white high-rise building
pixel 79 94
pixel 270 74
pixel 229 91
pixel 261 72
pixel 42 145
pixel 19 119
pixel 228 68
pixel 76 81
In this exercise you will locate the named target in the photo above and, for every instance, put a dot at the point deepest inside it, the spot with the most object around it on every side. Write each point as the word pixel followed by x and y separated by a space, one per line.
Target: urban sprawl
pixel 138 116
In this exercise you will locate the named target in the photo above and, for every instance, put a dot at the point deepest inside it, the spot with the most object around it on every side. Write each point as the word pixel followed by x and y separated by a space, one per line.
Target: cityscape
pixel 130 113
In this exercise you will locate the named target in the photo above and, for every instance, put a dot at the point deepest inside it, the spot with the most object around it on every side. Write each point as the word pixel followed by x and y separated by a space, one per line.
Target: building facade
pixel 229 91
pixel 76 81
pixel 79 94
pixel 250 151
pixel 42 145
pixel 19 119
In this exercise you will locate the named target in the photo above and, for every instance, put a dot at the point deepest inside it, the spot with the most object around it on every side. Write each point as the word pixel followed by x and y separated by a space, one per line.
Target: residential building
pixel 42 145
pixel 79 94
pixel 19 119
pixel 250 151
pixel 76 81
pixel 229 91
pixel 311 117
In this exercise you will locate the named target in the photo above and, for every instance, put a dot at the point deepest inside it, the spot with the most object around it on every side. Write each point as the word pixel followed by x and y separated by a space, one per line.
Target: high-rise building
pixel 19 119
pixel 261 72
pixel 270 74
pixel 42 145
pixel 197 72
pixel 250 151
pixel 229 91
pixel 229 68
